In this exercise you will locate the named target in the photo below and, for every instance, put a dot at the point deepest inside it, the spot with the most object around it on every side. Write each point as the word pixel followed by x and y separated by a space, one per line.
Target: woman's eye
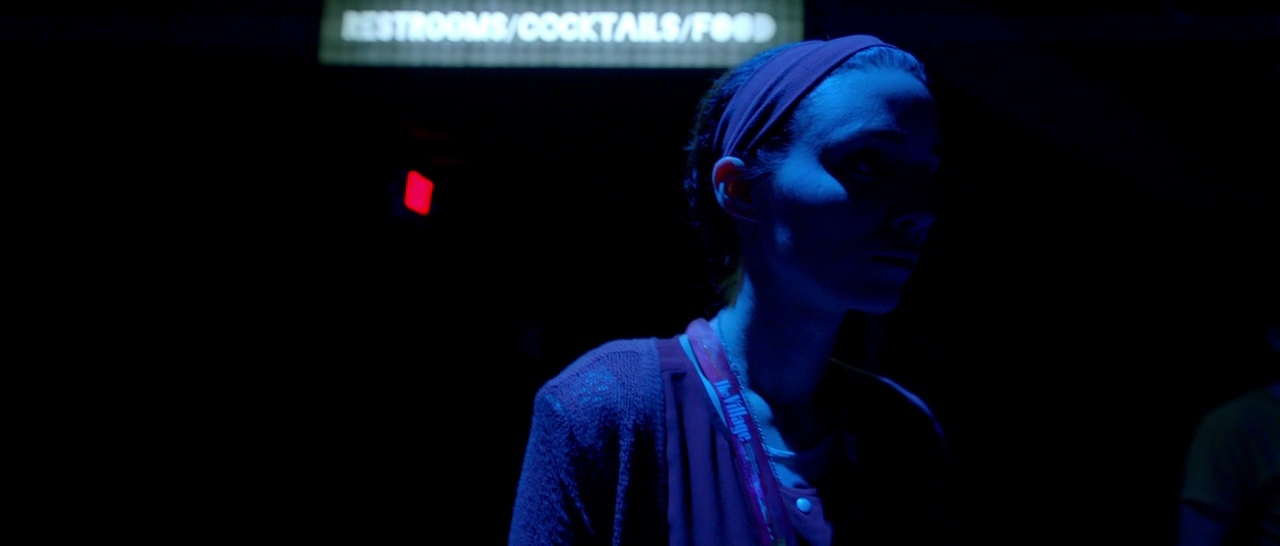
pixel 864 166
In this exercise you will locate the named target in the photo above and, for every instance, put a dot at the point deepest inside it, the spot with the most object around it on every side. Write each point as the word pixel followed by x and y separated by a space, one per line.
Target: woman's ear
pixel 732 190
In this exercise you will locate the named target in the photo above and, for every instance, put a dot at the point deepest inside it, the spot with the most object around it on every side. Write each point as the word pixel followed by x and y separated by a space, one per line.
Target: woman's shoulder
pixel 891 402
pixel 617 382
pixel 618 364
pixel 907 403
pixel 595 459
pixel 899 421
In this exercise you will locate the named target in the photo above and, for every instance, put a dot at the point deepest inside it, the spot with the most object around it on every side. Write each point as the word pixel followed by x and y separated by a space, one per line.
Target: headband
pixel 775 88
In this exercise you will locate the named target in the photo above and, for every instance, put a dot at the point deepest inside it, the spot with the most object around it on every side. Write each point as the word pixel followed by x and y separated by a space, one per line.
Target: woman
pixel 817 157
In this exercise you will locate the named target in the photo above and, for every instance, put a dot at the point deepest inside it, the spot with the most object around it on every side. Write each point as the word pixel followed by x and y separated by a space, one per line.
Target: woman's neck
pixel 781 348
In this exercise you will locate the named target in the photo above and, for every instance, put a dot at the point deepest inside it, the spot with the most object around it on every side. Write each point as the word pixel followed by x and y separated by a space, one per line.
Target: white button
pixel 804 505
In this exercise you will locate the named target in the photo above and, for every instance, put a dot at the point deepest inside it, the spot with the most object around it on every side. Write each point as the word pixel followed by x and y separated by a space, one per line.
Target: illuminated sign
pixel 555 33
pixel 417 193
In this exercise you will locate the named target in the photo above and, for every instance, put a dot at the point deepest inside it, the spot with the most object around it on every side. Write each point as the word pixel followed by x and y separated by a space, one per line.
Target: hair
pixel 714 227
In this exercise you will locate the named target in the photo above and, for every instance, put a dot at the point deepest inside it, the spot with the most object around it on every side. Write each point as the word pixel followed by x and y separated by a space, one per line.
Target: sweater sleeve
pixel 592 467
pixel 549 508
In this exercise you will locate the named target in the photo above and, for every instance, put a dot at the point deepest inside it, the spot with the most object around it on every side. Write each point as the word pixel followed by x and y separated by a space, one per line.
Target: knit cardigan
pixel 595 467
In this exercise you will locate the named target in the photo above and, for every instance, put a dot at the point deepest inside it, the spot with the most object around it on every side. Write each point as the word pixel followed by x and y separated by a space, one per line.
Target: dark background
pixel 234 333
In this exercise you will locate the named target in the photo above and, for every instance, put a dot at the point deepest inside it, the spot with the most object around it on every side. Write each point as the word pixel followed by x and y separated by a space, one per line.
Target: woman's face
pixel 843 219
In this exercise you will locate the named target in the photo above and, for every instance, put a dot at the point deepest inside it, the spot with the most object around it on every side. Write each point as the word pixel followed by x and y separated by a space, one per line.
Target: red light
pixel 417 193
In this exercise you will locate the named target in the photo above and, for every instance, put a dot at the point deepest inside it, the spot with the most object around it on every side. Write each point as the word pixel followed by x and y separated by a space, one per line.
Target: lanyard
pixel 767 507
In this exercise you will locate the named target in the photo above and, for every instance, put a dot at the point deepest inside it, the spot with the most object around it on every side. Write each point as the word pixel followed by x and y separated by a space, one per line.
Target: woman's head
pixel 810 161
